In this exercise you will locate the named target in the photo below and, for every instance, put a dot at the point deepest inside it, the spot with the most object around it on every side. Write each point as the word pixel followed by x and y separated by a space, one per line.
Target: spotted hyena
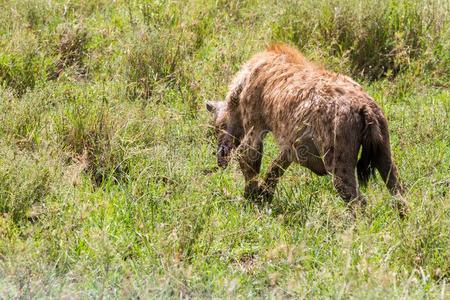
pixel 319 119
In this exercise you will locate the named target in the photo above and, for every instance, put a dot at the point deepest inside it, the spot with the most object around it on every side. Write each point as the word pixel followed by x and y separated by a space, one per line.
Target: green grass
pixel 105 144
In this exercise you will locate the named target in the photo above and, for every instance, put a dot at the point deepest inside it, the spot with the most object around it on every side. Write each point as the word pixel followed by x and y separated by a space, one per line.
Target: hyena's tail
pixel 373 139
pixel 376 154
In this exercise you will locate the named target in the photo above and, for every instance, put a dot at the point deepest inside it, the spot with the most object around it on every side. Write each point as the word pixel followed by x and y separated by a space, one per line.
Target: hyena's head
pixel 223 131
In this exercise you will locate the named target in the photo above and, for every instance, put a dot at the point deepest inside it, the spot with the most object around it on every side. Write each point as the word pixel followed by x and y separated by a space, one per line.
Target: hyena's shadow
pixel 293 209
pixel 296 204
pixel 311 199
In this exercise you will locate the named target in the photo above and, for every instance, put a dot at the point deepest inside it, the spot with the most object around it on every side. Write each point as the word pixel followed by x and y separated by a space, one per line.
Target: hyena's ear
pixel 215 106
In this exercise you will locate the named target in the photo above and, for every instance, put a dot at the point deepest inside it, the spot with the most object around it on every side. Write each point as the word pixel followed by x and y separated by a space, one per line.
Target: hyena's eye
pixel 222 126
pixel 220 129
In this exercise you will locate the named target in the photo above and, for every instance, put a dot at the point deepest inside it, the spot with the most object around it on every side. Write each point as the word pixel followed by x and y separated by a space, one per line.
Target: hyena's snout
pixel 223 155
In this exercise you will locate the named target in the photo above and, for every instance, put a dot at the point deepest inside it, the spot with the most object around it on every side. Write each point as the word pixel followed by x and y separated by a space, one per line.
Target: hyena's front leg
pixel 276 170
pixel 249 157
pixel 340 162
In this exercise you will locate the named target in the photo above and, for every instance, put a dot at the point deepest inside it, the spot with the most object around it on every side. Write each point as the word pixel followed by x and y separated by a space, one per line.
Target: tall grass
pixel 107 180
pixel 378 38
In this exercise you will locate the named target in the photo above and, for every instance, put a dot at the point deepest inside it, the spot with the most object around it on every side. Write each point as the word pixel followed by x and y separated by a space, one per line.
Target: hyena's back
pixel 319 119
pixel 280 91
pixel 305 106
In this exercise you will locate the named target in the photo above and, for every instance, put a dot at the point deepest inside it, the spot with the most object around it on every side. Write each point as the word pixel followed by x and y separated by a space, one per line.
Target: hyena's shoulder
pixel 243 77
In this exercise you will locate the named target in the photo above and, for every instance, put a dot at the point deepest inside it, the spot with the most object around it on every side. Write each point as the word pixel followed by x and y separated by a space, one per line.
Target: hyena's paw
pixel 401 205
pixel 252 191
pixel 258 192
pixel 357 206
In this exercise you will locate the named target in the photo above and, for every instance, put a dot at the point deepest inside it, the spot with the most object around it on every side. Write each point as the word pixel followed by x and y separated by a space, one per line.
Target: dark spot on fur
pixel 339 90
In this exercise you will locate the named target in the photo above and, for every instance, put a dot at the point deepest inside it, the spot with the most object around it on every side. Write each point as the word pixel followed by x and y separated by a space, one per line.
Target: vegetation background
pixel 105 147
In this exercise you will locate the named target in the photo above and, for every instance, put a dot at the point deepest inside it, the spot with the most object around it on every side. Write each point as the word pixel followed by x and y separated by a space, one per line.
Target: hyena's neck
pixel 234 128
pixel 234 118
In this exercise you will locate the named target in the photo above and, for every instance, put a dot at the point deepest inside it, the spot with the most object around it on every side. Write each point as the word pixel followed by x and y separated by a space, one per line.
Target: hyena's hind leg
pixel 388 171
pixel 249 155
pixel 340 161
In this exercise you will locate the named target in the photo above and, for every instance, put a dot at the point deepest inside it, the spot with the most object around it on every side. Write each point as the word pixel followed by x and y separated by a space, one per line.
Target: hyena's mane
pixel 289 55
pixel 282 56
pixel 292 55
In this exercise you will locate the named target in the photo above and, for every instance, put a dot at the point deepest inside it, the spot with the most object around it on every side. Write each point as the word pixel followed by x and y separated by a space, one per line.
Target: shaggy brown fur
pixel 319 119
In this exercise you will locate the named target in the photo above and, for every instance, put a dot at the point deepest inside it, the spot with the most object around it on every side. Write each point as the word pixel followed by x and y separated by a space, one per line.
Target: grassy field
pixel 105 148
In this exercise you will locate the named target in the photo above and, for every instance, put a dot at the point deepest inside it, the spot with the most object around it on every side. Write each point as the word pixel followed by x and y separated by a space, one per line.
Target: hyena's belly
pixel 308 155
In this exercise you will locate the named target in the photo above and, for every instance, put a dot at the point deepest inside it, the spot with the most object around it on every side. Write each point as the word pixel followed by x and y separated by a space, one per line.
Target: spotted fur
pixel 319 119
